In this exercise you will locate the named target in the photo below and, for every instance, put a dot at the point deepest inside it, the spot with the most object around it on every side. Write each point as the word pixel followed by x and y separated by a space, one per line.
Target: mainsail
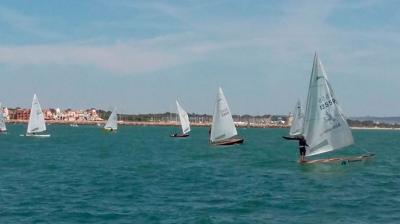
pixel 36 118
pixel 222 125
pixel 112 121
pixel 2 120
pixel 325 127
pixel 184 118
pixel 298 118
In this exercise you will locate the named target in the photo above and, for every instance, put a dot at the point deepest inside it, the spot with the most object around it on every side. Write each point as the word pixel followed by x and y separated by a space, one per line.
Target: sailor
pixel 302 145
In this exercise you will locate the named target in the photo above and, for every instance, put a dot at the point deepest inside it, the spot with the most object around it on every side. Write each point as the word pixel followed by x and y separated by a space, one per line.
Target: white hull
pixel 37 135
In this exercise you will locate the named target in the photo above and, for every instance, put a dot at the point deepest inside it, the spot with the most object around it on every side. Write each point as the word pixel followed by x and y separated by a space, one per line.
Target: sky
pixel 140 56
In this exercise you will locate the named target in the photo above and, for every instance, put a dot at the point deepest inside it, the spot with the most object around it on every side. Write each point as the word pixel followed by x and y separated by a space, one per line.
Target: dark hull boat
pixel 179 135
pixel 230 141
pixel 223 131
pixel 184 120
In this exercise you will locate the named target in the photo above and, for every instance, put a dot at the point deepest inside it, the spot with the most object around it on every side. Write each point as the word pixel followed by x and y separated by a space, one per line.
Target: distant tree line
pixel 371 124
pixel 172 116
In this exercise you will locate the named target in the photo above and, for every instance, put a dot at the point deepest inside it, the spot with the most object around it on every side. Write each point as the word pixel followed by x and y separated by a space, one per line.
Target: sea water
pixel 141 175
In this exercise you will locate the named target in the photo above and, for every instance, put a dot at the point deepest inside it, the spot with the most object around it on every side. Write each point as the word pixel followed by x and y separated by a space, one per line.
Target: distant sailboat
pixel 325 128
pixel 298 119
pixel 2 120
pixel 184 120
pixel 112 124
pixel 223 130
pixel 36 125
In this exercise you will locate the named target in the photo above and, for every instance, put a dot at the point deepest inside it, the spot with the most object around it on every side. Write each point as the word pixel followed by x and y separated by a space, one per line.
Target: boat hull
pixel 231 141
pixel 37 135
pixel 340 160
pixel 179 135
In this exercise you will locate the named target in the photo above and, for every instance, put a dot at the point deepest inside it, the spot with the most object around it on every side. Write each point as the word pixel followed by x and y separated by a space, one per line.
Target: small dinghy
pixel 36 125
pixel 184 120
pixel 223 130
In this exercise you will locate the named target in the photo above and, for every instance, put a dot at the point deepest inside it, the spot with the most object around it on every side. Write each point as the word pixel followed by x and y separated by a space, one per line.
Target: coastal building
pixel 19 114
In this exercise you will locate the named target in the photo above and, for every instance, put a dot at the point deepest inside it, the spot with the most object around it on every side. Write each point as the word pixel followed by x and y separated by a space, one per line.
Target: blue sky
pixel 141 55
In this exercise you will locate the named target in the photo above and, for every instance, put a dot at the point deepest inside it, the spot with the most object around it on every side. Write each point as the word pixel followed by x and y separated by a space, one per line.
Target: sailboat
pixel 298 118
pixel 36 125
pixel 111 124
pixel 223 130
pixel 184 119
pixel 325 127
pixel 2 120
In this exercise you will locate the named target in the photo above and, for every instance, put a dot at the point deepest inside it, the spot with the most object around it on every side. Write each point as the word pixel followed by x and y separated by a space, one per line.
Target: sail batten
pixel 183 118
pixel 112 122
pixel 36 118
pixel 222 127
pixel 2 120
pixel 325 127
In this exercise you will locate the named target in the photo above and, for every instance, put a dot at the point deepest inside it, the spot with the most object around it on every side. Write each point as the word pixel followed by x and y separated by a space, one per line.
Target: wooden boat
pixel 325 127
pixel 341 160
pixel 230 141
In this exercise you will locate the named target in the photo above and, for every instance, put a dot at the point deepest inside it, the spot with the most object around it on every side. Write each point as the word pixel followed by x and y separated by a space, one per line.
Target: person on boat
pixel 302 145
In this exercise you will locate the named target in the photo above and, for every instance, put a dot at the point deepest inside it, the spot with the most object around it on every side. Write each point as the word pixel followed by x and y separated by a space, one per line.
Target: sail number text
pixel 325 104
pixel 224 112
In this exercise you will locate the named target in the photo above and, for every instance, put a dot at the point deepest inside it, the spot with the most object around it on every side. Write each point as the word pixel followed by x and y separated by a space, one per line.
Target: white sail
pixel 325 127
pixel 222 125
pixel 112 121
pixel 184 118
pixel 2 120
pixel 36 118
pixel 298 118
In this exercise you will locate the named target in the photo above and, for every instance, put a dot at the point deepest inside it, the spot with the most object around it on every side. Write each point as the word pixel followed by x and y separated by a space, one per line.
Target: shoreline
pixel 142 123
pixel 174 123
pixel 374 128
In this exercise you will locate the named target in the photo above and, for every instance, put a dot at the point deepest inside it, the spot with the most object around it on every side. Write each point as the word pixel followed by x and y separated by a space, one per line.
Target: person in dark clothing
pixel 302 145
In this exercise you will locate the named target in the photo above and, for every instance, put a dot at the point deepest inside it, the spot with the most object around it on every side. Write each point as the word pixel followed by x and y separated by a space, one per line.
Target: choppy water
pixel 140 175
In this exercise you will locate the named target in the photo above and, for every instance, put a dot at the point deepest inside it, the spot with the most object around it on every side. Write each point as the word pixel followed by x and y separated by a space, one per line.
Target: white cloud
pixel 300 29
pixel 116 58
